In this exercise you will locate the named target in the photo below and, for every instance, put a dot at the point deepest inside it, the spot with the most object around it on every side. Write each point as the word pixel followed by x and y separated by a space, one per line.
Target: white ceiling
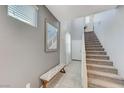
pixel 68 12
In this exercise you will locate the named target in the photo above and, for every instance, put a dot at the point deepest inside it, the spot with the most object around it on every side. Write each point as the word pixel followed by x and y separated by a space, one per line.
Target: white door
pixel 76 49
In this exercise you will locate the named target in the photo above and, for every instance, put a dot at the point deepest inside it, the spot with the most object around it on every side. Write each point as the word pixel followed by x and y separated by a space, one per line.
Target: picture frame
pixel 51 37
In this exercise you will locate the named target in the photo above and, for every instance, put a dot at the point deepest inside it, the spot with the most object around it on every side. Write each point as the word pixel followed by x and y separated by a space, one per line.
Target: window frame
pixel 22 20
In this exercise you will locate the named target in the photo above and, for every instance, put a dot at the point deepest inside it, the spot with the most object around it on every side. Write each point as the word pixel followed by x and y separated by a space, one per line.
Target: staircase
pixel 101 72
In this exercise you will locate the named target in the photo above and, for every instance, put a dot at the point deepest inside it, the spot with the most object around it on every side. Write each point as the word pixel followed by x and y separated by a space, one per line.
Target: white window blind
pixel 25 13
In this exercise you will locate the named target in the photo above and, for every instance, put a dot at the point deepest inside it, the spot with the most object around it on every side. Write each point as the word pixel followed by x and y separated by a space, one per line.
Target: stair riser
pixel 92 42
pixel 109 70
pixel 97 53
pixel 99 62
pixel 90 85
pixel 99 57
pixel 93 46
pixel 111 79
pixel 89 37
pixel 94 49
pixel 93 38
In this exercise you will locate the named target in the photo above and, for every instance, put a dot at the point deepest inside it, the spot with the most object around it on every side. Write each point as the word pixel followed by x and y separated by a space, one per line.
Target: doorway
pixel 68 47
pixel 89 24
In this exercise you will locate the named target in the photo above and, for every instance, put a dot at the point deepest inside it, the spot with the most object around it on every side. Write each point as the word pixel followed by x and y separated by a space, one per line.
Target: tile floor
pixel 71 79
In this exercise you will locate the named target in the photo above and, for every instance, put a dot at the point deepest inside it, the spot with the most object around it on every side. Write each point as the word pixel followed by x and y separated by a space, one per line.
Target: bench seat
pixel 46 77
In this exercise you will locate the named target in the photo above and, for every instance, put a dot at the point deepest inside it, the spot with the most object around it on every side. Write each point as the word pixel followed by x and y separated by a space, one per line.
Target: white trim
pixel 33 21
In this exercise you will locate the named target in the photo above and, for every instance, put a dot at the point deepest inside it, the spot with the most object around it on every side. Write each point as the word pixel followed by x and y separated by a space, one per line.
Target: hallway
pixel 37 41
pixel 71 79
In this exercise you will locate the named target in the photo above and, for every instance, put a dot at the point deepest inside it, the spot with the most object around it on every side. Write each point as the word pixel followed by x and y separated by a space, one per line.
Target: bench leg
pixel 63 70
pixel 45 84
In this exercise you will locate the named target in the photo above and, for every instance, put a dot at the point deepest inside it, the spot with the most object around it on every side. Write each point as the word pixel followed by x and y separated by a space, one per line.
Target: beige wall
pixel 22 55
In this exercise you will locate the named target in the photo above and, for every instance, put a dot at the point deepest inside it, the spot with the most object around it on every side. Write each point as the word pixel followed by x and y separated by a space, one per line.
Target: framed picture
pixel 51 37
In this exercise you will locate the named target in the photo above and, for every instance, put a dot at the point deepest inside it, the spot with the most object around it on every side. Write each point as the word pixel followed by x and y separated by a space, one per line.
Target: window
pixel 24 13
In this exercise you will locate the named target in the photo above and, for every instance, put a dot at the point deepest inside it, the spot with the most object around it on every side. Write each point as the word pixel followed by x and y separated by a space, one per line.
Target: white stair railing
pixel 83 64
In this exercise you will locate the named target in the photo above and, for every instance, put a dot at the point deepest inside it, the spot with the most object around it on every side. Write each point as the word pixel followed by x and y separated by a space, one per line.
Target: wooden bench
pixel 46 77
